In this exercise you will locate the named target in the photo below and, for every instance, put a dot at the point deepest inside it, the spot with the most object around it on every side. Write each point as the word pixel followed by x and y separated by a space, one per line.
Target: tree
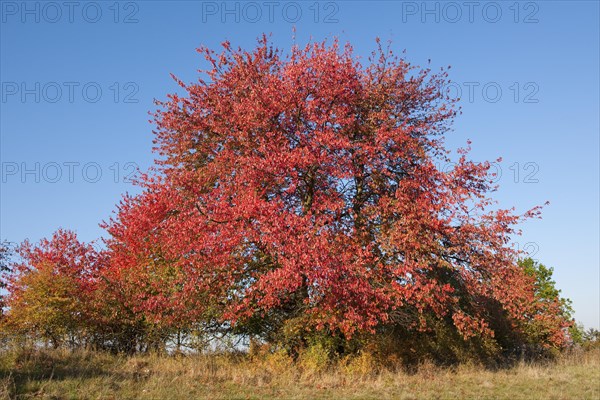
pixel 49 288
pixel 299 199
pixel 309 193
pixel 554 313
pixel 591 338
pixel 6 252
pixel 146 275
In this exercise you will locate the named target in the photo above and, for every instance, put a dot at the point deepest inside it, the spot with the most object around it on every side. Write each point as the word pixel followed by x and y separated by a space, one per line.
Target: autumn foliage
pixel 295 197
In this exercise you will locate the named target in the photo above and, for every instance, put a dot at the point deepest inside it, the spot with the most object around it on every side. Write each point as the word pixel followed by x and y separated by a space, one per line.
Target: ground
pixel 86 375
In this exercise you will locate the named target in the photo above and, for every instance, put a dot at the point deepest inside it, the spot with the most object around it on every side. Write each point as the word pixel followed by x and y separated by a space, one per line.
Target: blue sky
pixel 79 78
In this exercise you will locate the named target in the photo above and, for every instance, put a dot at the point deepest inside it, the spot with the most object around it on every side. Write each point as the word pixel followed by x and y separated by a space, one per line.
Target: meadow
pixel 60 374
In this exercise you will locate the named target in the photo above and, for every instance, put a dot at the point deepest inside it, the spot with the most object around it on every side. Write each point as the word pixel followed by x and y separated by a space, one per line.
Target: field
pixel 86 375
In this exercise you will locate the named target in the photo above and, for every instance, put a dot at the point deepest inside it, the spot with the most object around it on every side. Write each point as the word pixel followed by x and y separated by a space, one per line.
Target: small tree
pixel 50 289
pixel 552 312
pixel 6 251
pixel 591 338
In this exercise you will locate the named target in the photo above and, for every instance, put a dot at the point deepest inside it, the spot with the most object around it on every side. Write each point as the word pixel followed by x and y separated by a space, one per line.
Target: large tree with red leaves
pixel 304 193
pixel 307 188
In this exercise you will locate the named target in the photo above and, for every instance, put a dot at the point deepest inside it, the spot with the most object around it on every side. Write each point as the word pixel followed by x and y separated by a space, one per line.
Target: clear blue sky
pixel 542 56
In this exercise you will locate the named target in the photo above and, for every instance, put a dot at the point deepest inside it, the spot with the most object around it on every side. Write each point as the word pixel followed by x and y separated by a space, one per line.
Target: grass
pixel 87 375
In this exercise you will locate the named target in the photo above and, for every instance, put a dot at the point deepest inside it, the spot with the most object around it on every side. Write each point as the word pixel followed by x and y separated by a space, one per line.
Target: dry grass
pixel 86 375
